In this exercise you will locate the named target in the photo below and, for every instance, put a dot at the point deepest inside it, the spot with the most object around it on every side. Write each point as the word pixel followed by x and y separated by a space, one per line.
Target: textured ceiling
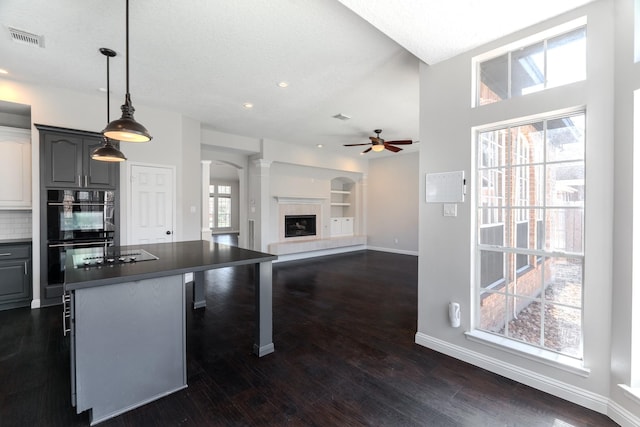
pixel 205 58
pixel 435 30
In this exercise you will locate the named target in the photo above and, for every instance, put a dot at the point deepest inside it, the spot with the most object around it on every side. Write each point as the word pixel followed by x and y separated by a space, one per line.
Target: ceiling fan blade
pixel 367 150
pixel 392 148
pixel 353 145
pixel 401 142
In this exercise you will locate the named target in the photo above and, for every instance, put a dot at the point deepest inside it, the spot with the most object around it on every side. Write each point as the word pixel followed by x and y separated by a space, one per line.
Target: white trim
pixel 533 379
pixel 532 39
pixel 35 303
pixel 631 392
pixel 296 200
pixel 530 352
pixel 622 415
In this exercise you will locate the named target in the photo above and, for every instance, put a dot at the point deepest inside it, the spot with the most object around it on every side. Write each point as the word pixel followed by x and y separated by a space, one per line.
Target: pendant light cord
pixel 108 94
pixel 127 45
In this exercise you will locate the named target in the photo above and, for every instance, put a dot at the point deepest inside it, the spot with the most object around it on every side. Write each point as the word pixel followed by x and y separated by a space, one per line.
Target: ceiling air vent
pixel 341 116
pixel 24 37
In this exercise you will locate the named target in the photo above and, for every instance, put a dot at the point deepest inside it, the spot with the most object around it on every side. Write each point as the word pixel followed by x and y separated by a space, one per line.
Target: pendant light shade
pixel 126 128
pixel 378 147
pixel 107 152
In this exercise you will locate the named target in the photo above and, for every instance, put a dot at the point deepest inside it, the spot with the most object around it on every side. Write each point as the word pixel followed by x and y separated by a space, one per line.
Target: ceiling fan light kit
pixel 378 144
pixel 107 152
pixel 126 128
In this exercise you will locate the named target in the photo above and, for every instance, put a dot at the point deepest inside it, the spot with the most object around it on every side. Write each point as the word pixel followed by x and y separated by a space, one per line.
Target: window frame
pixel 219 191
pixel 535 255
pixel 542 36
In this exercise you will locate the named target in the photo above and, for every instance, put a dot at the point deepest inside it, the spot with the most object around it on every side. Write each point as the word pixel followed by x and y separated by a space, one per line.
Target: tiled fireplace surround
pixel 300 209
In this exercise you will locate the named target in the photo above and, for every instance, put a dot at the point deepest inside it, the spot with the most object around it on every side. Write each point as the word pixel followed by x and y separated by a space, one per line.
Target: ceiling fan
pixel 379 144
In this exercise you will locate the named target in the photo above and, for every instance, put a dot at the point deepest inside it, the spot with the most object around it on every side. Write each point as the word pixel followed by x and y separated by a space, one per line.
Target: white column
pixel 261 201
pixel 242 206
pixel 205 232
pixel 361 206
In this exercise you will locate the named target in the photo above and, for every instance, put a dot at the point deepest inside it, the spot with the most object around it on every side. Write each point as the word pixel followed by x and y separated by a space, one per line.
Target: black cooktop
pixel 99 258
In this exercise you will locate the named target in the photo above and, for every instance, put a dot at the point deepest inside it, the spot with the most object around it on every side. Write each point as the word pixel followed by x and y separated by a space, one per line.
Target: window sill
pixel 540 355
pixel 631 392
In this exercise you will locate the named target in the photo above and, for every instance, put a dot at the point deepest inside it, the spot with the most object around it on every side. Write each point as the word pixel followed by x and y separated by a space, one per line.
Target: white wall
pixel 188 198
pixel 446 244
pixel 392 209
pixel 626 198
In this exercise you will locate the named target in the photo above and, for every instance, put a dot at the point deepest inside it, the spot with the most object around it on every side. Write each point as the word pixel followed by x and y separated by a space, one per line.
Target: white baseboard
pixel 549 385
pixel 35 303
pixel 622 416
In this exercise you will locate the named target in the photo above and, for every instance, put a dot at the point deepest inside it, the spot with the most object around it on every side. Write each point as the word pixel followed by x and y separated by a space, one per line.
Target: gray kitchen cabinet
pixel 66 160
pixel 15 271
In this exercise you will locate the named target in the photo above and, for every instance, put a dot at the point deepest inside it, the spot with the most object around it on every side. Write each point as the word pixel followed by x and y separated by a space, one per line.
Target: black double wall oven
pixel 77 219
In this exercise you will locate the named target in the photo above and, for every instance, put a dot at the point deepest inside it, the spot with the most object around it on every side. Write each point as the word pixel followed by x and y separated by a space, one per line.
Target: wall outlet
pixel 450 209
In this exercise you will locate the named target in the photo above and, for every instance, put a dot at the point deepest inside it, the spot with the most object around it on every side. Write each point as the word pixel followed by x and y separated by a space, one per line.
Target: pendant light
pixel 126 128
pixel 107 152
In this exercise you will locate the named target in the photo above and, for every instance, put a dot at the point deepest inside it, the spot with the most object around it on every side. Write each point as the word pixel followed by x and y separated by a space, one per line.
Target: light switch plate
pixel 450 209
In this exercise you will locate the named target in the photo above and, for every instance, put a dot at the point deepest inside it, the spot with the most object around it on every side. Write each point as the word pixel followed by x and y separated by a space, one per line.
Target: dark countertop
pixel 14 241
pixel 173 258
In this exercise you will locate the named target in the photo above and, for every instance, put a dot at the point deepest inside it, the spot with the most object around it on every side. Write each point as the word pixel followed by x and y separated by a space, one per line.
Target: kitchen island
pixel 127 311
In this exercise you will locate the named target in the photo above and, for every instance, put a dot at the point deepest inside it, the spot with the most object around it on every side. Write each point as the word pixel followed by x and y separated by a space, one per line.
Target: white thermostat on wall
pixel 445 187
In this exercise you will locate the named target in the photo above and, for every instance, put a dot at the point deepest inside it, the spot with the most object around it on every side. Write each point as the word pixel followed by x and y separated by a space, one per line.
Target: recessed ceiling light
pixel 319 145
pixel 283 84
pixel 102 89
pixel 341 116
pixel 3 71
pixel 247 105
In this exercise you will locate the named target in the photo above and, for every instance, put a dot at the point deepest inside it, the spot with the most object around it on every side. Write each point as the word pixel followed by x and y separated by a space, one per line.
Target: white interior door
pixel 152 201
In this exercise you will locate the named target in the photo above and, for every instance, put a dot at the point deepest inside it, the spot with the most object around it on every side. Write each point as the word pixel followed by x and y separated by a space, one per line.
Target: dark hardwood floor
pixel 345 356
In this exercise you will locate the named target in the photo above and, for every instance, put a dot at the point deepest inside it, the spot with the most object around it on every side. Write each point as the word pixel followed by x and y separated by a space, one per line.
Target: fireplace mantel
pixel 295 200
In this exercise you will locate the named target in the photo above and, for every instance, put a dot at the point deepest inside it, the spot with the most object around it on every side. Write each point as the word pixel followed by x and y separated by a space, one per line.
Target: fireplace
pixel 299 225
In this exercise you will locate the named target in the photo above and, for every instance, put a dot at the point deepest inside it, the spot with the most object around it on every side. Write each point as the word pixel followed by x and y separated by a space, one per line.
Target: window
pixel 551 62
pixel 219 206
pixel 530 232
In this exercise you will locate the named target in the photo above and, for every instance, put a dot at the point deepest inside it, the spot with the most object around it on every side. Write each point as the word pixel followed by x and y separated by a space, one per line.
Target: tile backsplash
pixel 15 225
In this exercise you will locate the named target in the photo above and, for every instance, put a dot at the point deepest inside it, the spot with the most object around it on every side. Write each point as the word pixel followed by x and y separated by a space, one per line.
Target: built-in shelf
pixel 342 207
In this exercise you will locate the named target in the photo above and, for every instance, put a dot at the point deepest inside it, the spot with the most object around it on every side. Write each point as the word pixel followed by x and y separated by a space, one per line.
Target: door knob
pixel 168 232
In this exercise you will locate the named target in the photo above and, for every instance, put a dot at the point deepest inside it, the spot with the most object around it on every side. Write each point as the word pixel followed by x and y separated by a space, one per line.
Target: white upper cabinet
pixel 15 168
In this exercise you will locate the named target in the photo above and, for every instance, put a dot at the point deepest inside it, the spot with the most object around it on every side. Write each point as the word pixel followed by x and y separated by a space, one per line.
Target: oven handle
pixel 79 204
pixel 66 313
pixel 99 242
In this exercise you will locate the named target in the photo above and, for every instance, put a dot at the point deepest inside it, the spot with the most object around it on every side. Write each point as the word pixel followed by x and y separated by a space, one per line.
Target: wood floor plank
pixel 345 355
